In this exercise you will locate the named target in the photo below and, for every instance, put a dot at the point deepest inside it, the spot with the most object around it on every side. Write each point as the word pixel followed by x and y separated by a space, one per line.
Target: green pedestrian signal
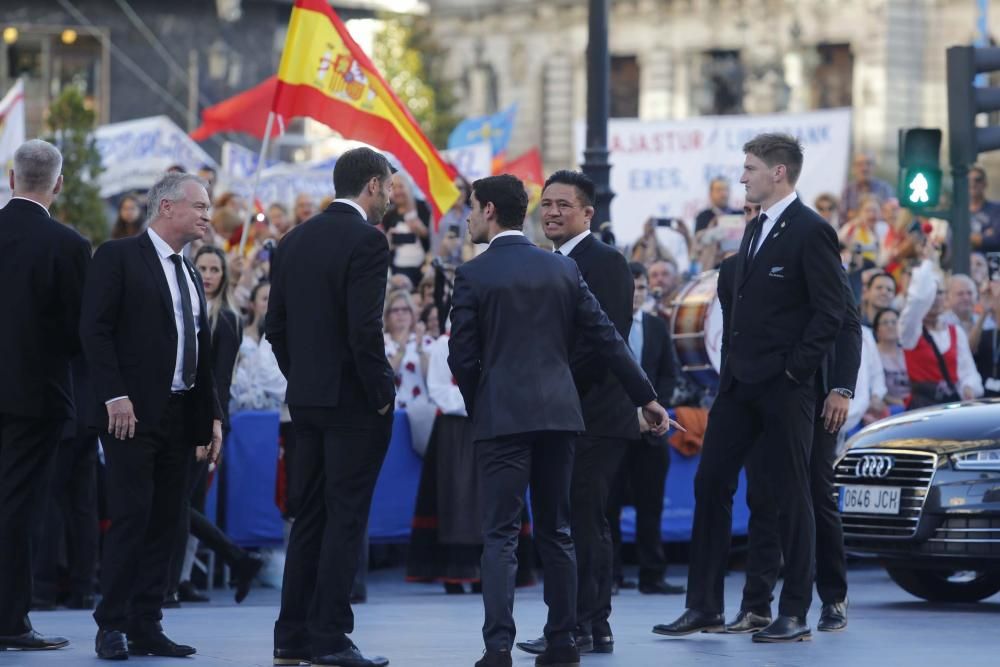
pixel 919 170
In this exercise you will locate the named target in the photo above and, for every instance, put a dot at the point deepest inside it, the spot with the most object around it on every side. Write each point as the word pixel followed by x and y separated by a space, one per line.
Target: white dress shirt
pixel 636 335
pixel 165 251
pixel 919 298
pixel 773 214
pixel 356 205
pixel 567 248
pixel 509 232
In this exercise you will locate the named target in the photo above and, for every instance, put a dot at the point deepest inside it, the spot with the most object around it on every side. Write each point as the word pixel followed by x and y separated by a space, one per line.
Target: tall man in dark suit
pixel 516 313
pixel 324 321
pixel 567 206
pixel 647 458
pixel 787 306
pixel 145 334
pixel 834 388
pixel 43 267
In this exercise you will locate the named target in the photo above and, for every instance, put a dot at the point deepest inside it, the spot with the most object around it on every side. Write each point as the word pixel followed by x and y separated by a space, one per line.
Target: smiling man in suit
pixel 43 267
pixel 516 313
pixel 787 301
pixel 145 334
pixel 567 206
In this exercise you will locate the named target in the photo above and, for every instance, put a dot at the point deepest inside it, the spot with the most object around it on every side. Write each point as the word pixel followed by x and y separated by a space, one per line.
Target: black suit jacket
pixel 42 267
pixel 517 311
pixel 658 356
pixel 129 337
pixel 324 316
pixel 607 410
pixel 840 366
pixel 786 305
pixel 226 339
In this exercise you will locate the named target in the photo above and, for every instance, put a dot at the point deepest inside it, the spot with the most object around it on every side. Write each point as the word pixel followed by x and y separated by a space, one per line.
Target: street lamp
pixel 595 154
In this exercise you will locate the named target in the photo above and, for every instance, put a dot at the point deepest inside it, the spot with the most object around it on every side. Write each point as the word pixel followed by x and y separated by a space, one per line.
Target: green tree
pixel 412 62
pixel 79 204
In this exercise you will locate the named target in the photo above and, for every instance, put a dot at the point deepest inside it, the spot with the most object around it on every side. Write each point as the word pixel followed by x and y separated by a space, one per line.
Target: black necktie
pixel 189 364
pixel 758 236
pixel 558 252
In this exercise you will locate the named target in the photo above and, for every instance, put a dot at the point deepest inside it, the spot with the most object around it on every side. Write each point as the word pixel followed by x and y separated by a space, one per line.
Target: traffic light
pixel 966 100
pixel 919 168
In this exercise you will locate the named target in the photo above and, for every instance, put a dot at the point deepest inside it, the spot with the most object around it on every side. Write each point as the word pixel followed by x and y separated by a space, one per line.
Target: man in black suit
pixel 567 206
pixel 43 267
pixel 145 334
pixel 647 458
pixel 835 387
pixel 516 313
pixel 787 306
pixel 324 321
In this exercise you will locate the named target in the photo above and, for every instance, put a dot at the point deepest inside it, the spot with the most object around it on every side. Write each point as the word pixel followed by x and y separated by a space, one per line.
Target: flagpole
pixel 256 177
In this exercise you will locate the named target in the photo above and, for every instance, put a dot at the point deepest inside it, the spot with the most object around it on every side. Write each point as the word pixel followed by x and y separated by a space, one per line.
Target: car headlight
pixel 982 459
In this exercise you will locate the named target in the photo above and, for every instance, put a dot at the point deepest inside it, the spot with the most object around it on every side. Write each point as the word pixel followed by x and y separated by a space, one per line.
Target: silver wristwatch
pixel 846 393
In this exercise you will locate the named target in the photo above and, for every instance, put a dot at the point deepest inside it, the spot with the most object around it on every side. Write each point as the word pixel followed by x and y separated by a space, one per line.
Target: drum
pixel 696 327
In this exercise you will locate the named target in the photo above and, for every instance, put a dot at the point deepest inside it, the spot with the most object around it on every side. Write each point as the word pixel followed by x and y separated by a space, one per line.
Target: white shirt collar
pixel 356 206
pixel 44 207
pixel 163 248
pixel 509 232
pixel 567 248
pixel 777 208
pixel 637 316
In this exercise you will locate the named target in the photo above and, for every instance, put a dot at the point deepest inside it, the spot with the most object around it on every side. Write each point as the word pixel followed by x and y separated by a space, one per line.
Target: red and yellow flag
pixel 325 75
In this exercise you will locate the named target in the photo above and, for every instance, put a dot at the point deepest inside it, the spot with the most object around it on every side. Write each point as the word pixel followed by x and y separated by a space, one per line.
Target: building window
pixel 833 78
pixel 721 83
pixel 624 87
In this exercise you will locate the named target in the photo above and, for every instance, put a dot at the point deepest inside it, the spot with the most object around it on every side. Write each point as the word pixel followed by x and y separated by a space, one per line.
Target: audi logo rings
pixel 874 466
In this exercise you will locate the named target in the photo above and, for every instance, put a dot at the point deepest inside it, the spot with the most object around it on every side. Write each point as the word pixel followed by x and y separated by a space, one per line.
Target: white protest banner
pixel 239 162
pixel 135 153
pixel 663 168
pixel 12 133
pixel 473 162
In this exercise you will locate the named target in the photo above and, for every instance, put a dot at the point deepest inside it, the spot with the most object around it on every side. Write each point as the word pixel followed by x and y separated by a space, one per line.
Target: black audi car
pixel 921 492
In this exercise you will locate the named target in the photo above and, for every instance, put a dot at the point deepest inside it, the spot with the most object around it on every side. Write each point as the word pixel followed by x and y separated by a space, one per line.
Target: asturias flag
pixel 325 75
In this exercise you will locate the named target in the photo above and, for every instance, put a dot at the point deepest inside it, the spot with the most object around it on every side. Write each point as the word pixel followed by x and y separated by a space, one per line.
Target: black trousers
pixel 507 466
pixel 643 472
pixel 147 482
pixel 595 464
pixel 70 520
pixel 338 456
pixel 27 446
pixel 776 419
pixel 764 556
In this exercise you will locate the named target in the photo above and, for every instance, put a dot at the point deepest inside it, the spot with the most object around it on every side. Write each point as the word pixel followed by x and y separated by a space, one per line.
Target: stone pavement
pixel 416 625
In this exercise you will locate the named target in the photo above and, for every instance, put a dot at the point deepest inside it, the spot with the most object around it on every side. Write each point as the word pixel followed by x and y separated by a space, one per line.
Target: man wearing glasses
pixel 985 214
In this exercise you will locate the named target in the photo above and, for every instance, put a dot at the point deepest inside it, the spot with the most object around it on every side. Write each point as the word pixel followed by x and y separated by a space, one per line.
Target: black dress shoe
pixel 494 659
pixel 690 622
pixel 747 622
pixel 660 588
pixel 833 618
pixel 627 584
pixel 186 592
pixel 784 629
pixel 171 601
pixel 245 571
pixel 81 601
pixel 292 656
pixel 584 644
pixel 603 644
pixel 157 643
pixel 559 656
pixel 349 657
pixel 111 645
pixel 453 588
pixel 31 641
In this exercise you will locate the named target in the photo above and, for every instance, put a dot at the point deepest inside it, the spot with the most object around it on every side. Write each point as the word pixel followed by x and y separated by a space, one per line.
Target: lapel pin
pixel 783 225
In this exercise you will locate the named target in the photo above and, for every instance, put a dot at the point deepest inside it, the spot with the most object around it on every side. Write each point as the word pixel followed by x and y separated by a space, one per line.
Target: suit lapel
pixel 152 260
pixel 200 288
pixel 773 239
pixel 648 344
pixel 581 247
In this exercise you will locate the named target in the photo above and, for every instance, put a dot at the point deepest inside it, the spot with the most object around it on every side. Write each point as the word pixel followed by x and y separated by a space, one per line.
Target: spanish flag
pixel 325 75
